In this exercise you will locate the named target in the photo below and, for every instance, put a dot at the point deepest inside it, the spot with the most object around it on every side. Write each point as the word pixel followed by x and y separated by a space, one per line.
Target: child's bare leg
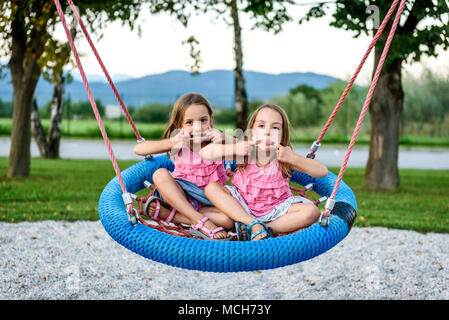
pixel 226 203
pixel 164 213
pixel 299 215
pixel 173 194
pixel 217 217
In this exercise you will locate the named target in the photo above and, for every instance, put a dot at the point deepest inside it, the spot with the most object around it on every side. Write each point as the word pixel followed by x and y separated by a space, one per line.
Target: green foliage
pixel 77 110
pixel 154 113
pixel 266 14
pixel 348 115
pixel 6 109
pixel 426 107
pixel 224 116
pixel 307 107
pixel 308 91
pixel 422 30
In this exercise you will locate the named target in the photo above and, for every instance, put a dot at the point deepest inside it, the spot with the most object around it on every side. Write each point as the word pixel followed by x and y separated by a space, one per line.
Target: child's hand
pixel 214 135
pixel 181 140
pixel 244 148
pixel 284 154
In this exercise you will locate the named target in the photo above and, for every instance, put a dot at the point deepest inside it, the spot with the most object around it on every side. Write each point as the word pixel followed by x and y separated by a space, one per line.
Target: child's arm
pixel 311 167
pixel 219 151
pixel 161 146
pixel 153 147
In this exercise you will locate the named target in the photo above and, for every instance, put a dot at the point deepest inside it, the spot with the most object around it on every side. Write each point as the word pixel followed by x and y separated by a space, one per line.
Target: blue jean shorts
pixel 195 194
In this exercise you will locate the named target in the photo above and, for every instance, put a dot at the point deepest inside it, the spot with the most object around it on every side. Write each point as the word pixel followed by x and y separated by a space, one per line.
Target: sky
pixel 310 47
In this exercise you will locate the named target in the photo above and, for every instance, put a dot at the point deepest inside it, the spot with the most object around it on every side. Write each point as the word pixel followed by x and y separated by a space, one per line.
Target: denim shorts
pixel 278 211
pixel 196 195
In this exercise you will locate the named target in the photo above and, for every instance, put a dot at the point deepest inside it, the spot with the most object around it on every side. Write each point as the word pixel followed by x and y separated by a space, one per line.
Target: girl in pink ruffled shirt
pixel 260 199
pixel 190 129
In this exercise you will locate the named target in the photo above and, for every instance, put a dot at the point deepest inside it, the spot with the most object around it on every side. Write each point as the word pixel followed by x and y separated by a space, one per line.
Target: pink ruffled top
pixel 262 188
pixel 191 167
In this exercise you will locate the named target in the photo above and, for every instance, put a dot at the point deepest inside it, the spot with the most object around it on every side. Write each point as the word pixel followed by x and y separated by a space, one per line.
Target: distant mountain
pixel 217 86
pixel 102 78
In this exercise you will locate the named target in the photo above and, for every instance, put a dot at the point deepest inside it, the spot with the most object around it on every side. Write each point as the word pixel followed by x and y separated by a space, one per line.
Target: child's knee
pixel 160 174
pixel 212 188
pixel 307 209
pixel 312 211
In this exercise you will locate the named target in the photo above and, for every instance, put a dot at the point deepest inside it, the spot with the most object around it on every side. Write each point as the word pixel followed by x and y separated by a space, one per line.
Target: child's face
pixel 268 127
pixel 196 120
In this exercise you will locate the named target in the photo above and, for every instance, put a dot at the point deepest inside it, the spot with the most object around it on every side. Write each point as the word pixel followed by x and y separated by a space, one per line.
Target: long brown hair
pixel 179 109
pixel 285 139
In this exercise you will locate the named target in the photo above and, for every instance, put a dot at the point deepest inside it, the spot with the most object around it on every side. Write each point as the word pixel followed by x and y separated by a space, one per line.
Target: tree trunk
pixel 24 84
pixel 385 112
pixel 38 131
pixel 57 110
pixel 25 73
pixel 241 100
pixel 50 148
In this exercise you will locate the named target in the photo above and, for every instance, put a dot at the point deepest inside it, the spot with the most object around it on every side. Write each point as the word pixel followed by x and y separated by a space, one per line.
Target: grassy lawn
pixel 69 190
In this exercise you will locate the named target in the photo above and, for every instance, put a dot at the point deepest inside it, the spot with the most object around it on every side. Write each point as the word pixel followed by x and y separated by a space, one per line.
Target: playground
pixel 296 229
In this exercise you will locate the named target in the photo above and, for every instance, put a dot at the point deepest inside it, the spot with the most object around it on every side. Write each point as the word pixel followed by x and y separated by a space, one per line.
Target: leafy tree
pixel 154 113
pixel 308 91
pixel 350 110
pixel 267 14
pixel 427 103
pixel 224 116
pixel 301 111
pixel 26 38
pixel 5 109
pixel 422 30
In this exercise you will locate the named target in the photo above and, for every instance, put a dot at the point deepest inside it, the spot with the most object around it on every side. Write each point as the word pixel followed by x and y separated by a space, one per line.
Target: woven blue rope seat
pixel 223 256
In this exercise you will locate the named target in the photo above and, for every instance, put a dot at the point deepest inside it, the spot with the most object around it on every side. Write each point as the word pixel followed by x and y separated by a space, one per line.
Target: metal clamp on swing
pixel 313 149
pixel 128 199
pixel 324 217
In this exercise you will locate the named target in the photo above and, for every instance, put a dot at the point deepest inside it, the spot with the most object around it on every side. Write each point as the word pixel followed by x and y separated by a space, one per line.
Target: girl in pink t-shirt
pixel 260 199
pixel 189 127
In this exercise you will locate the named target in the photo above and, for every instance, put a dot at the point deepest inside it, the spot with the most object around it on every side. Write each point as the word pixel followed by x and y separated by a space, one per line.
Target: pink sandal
pixel 158 209
pixel 210 234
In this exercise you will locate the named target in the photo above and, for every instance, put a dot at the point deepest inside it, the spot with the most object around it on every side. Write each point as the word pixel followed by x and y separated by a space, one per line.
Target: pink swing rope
pixel 315 145
pixel 331 201
pixel 93 104
pixel 105 71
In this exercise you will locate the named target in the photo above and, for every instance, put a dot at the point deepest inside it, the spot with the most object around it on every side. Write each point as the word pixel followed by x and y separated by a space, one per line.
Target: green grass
pixel 88 129
pixel 69 190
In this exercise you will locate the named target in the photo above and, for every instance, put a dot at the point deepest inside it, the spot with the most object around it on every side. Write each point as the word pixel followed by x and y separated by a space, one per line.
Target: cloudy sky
pixel 311 47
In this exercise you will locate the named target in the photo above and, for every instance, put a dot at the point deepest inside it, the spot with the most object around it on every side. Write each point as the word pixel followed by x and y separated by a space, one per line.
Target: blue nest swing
pixel 223 256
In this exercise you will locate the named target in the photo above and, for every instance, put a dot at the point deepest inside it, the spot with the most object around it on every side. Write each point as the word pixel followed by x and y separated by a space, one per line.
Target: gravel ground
pixel 62 260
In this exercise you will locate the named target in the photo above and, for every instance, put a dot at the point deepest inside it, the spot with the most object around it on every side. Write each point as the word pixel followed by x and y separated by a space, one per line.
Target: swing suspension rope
pixel 324 218
pixel 317 143
pixel 105 71
pixel 128 198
